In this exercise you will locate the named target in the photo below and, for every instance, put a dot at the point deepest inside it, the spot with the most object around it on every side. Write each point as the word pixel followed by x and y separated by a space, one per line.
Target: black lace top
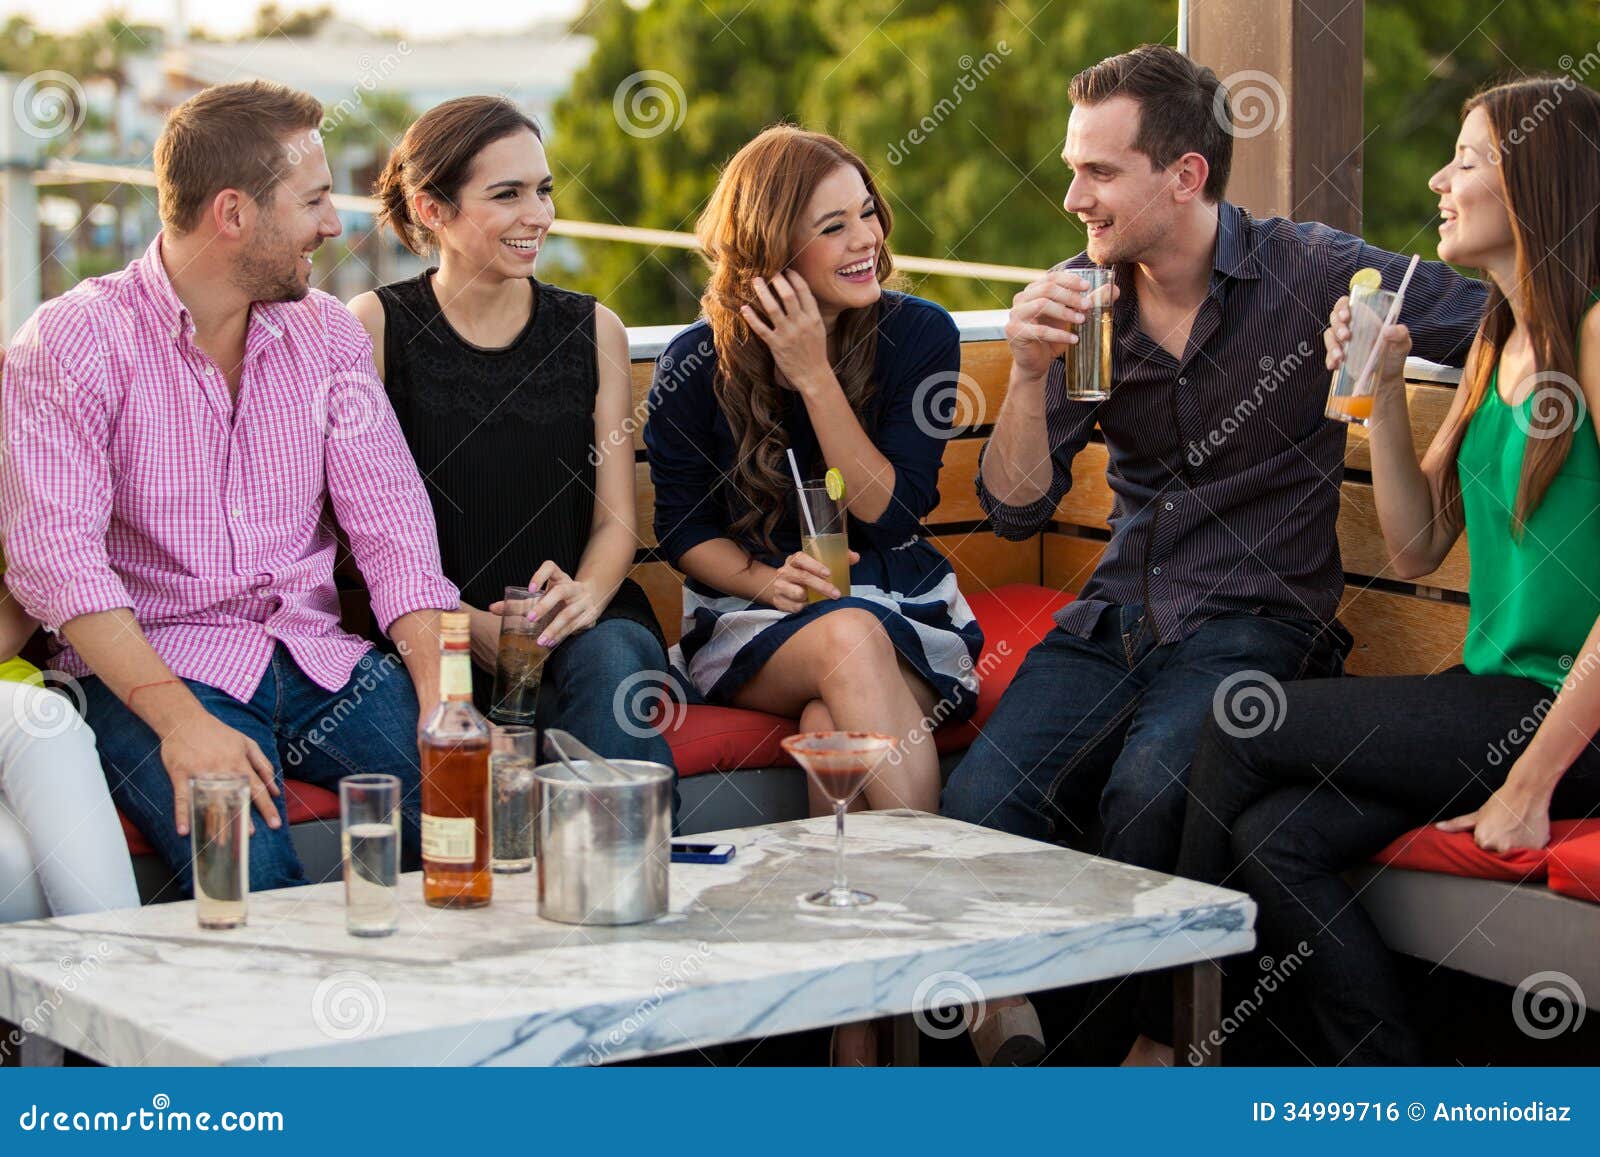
pixel 502 437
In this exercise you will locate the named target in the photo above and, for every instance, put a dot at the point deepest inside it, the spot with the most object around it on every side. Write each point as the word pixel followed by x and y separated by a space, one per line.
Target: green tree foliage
pixel 273 20
pixel 1423 59
pixel 985 87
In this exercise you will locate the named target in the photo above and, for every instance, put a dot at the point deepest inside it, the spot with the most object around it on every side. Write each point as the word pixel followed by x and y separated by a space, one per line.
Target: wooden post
pixel 1294 69
pixel 19 216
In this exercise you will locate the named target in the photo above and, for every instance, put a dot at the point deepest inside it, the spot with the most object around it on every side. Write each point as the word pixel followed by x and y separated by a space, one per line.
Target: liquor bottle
pixel 454 744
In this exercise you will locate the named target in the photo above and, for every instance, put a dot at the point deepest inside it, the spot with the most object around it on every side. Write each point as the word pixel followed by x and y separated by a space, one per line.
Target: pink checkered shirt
pixel 129 479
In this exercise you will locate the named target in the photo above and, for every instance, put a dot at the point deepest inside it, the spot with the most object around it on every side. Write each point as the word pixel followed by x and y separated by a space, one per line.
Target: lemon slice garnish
pixel 834 481
pixel 1369 279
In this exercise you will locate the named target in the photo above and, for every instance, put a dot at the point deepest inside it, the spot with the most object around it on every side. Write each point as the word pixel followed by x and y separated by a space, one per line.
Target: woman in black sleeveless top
pixel 514 396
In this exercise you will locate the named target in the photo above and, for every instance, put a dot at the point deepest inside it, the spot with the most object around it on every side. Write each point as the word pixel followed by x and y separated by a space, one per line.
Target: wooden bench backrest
pixel 1399 627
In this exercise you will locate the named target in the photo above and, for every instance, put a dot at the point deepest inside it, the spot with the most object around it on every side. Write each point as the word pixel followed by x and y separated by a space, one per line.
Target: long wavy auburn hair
pixel 1545 131
pixel 748 231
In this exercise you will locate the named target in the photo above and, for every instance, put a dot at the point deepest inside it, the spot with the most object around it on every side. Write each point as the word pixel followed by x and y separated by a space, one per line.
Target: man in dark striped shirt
pixel 1222 576
pixel 1223 569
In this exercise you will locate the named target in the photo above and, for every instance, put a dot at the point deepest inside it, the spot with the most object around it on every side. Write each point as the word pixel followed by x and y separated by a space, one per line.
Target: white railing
pixel 80 172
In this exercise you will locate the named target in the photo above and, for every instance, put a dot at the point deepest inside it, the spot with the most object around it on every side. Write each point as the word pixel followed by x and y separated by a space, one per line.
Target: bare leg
pixel 815 717
pixel 1147 1053
pixel 845 659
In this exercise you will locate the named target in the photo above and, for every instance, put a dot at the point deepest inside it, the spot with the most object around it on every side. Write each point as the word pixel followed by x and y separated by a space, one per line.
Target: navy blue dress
pixel 902 578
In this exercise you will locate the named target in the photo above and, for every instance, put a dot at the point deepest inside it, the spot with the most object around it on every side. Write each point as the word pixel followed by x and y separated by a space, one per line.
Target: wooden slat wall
pixel 1399 627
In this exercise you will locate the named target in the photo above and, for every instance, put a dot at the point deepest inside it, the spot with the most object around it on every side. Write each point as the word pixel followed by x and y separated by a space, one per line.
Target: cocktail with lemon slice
pixel 829 544
pixel 1350 397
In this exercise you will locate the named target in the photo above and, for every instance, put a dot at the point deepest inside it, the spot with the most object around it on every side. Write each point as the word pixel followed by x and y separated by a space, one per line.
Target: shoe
pixel 1009 1036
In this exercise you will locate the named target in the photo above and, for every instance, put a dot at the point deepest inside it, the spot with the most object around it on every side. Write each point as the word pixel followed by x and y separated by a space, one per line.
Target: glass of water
pixel 369 829
pixel 219 844
pixel 512 756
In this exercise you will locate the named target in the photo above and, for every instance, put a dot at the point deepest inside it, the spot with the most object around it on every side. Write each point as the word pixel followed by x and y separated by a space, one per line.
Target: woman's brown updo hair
pixel 435 157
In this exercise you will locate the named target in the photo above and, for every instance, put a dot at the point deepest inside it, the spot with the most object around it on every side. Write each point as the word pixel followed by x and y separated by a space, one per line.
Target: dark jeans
pixel 606 686
pixel 1115 716
pixel 319 736
pixel 1355 763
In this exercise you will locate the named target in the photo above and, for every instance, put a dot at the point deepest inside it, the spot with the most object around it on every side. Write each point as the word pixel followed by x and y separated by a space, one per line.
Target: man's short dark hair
pixel 1183 107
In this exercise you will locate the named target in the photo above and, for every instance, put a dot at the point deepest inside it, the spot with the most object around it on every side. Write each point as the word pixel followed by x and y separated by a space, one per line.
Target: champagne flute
pixel 839 763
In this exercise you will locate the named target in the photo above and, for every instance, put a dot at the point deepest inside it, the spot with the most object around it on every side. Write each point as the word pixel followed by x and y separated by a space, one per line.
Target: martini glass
pixel 838 762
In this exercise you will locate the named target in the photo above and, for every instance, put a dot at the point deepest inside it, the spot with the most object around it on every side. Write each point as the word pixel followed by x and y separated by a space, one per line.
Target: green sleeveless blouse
pixel 1534 601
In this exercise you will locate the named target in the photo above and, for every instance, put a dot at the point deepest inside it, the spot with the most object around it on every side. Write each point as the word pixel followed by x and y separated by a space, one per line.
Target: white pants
pixel 62 850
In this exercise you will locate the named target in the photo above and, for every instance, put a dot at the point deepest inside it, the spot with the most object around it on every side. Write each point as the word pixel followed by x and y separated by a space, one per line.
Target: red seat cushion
pixel 1427 849
pixel 1574 865
pixel 306 802
pixel 705 738
pixel 1013 619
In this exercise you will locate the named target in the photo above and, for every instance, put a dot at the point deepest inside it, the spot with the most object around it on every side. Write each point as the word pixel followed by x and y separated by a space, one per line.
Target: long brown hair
pixel 435 156
pixel 747 231
pixel 1545 129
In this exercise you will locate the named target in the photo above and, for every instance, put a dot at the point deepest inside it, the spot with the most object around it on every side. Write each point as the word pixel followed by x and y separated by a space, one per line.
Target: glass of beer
pixel 512 758
pixel 1088 362
pixel 829 545
pixel 1350 396
pixel 369 830
pixel 519 667
pixel 219 843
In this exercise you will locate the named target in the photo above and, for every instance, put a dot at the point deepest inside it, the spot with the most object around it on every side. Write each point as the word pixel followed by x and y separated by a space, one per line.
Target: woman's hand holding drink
pixel 1366 354
pixel 804 579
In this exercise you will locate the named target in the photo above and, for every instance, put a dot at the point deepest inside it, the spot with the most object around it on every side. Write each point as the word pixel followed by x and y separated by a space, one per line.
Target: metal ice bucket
pixel 604 848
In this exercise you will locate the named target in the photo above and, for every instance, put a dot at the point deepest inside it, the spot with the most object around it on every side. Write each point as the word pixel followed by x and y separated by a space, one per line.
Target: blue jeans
pixel 319 737
pixel 1115 717
pixel 603 685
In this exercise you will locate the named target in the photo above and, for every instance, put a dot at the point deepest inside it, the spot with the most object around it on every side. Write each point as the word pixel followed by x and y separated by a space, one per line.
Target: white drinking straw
pixel 799 489
pixel 1394 312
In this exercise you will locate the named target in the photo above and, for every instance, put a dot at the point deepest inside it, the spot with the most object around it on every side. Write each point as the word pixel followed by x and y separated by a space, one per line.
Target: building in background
pixel 371 85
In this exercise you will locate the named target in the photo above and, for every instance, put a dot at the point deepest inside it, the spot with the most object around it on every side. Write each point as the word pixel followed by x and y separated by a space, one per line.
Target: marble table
pixel 964 914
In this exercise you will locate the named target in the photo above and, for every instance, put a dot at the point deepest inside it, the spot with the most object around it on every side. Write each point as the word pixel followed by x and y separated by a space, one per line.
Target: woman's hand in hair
pixel 791 325
pixel 1396 343
pixel 798 574
pixel 1513 817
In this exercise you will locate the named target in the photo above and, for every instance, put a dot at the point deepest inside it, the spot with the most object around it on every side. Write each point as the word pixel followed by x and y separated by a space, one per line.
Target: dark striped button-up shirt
pixel 1225 472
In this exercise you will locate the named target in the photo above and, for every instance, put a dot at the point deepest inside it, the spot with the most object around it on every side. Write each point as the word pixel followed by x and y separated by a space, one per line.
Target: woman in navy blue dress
pixel 801 348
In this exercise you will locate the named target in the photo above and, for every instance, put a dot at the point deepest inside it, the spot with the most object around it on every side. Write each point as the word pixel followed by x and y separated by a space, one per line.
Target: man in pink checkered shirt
pixel 178 439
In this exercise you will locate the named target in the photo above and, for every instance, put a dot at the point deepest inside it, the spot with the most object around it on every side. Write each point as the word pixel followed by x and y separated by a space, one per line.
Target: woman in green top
pixel 61 849
pixel 1340 767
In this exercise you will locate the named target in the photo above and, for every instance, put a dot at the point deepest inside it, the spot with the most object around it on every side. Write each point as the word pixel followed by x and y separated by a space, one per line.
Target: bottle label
pixel 449 840
pixel 455 676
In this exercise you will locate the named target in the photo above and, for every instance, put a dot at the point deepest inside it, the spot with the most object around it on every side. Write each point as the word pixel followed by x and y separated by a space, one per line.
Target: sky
pixel 228 17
